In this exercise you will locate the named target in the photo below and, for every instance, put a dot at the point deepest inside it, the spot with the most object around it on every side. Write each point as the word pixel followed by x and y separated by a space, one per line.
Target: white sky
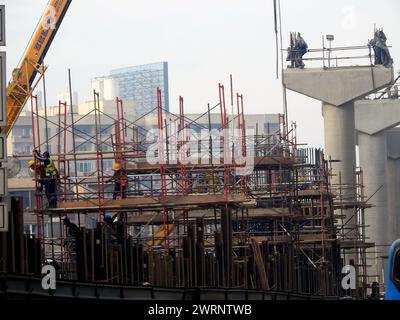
pixel 203 41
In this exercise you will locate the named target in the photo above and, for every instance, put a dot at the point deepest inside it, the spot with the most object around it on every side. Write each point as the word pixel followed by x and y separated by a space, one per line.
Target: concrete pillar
pixel 393 182
pixel 393 142
pixel 373 161
pixel 337 89
pixel 340 127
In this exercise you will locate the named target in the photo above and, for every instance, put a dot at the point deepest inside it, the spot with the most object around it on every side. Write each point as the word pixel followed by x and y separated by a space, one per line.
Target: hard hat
pixel 31 163
pixel 107 218
pixel 117 167
pixel 302 179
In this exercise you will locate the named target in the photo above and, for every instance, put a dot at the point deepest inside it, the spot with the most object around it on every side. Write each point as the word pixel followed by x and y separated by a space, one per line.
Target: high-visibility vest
pixel 50 170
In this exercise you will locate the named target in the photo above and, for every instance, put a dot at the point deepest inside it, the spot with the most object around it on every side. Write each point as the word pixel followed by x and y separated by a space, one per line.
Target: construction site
pixel 198 213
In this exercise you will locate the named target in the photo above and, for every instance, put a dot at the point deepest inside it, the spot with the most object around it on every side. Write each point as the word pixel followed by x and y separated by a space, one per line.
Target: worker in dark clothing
pixel 109 227
pixel 382 54
pixel 301 49
pixel 70 239
pixel 72 228
pixel 50 177
pixel 298 48
pixel 110 220
pixel 120 181
pixel 116 225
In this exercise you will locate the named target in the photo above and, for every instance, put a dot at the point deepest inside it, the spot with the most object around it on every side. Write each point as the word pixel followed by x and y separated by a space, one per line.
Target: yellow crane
pixel 23 82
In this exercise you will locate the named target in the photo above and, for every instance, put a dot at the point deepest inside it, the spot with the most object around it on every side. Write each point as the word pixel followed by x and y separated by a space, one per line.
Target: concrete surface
pixel 337 86
pixel 374 116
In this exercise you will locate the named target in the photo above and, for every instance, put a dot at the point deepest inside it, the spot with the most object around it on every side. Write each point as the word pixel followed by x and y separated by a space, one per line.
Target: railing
pixel 330 60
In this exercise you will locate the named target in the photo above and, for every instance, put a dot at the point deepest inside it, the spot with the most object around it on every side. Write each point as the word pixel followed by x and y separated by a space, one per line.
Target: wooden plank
pixel 154 202
pixel 260 264
pixel 208 214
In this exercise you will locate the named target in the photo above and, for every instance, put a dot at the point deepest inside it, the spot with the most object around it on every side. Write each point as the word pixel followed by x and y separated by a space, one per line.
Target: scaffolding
pixel 254 211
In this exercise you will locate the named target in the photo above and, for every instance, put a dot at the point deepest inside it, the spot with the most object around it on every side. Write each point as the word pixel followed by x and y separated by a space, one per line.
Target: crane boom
pixel 23 83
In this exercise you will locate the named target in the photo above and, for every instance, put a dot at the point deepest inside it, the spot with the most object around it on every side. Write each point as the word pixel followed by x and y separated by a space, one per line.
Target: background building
pixel 139 84
pixel 65 97
pixel 20 138
pixel 107 87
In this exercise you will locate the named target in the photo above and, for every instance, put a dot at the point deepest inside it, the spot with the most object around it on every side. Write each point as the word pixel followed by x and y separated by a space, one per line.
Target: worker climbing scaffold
pixel 48 176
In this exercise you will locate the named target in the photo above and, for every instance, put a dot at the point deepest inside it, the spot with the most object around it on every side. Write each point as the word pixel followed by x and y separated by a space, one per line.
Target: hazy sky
pixel 203 41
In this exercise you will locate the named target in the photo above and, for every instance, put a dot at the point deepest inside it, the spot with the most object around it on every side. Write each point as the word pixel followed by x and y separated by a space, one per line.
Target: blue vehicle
pixel 393 276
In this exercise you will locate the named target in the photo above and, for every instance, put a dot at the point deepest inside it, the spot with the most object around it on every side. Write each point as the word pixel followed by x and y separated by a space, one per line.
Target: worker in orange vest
pixel 120 181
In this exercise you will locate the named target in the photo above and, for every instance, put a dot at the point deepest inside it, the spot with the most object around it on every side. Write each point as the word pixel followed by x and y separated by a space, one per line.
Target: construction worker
pixel 39 174
pixel 301 50
pixel 50 177
pixel 110 220
pixel 120 181
pixel 303 185
pixel 70 239
pixel 115 228
pixel 71 228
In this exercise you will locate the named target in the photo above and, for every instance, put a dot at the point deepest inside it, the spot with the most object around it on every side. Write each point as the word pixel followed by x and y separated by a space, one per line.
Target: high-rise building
pixel 106 87
pixel 139 84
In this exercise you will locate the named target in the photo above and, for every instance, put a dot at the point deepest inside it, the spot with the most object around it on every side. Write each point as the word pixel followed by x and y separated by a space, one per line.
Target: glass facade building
pixel 139 84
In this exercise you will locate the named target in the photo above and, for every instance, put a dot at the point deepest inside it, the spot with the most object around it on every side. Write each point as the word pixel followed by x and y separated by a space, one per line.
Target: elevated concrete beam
pixel 375 116
pixel 339 85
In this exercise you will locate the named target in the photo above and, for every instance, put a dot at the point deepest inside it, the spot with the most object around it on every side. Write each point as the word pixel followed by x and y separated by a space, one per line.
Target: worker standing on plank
pixel 39 174
pixel 51 177
pixel 120 181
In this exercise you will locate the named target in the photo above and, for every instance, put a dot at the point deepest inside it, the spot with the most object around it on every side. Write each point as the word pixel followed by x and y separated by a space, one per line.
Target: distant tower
pixel 107 87
pixel 65 97
pixel 139 84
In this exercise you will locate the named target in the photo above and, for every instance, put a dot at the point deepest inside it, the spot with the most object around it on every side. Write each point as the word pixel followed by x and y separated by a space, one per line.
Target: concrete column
pixel 373 161
pixel 340 140
pixel 393 181
pixel 340 147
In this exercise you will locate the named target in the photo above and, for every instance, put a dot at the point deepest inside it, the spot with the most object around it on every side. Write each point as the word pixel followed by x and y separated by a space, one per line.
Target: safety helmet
pixel 117 166
pixel 107 218
pixel 31 164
